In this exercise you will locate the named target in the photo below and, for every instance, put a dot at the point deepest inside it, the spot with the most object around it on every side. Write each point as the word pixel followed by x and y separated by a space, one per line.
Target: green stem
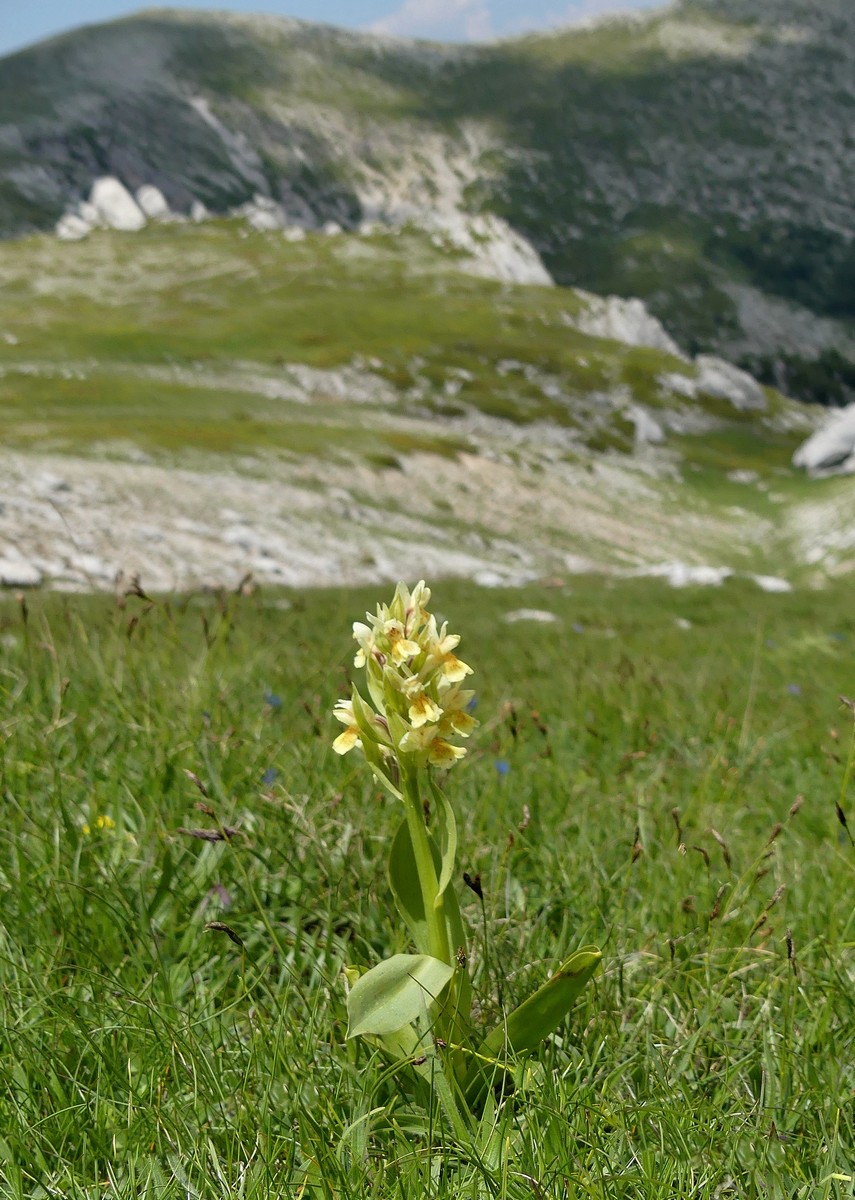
pixel 433 903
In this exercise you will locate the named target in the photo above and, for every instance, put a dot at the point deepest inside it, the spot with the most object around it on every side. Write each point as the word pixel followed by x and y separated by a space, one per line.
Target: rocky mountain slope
pixel 193 401
pixel 698 157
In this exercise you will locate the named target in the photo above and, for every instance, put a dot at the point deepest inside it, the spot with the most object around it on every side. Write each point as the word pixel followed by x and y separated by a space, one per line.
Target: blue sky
pixel 25 21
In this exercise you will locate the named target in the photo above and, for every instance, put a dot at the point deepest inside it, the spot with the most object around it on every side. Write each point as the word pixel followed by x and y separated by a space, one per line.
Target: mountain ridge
pixel 696 159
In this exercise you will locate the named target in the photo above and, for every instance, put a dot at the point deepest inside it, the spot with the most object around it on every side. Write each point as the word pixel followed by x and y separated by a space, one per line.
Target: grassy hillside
pixel 315 389
pixel 165 337
pixel 664 785
pixel 697 158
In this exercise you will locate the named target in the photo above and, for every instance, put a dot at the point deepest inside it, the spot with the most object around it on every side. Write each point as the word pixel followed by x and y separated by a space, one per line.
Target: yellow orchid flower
pixel 350 738
pixel 412 676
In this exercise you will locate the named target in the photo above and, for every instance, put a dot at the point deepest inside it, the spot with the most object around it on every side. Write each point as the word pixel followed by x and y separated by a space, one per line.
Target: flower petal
pixel 422 710
pixel 347 740
pixel 443 754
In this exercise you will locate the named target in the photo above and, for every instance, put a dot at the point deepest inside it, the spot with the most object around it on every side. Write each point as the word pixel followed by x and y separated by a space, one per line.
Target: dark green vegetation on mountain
pixel 700 158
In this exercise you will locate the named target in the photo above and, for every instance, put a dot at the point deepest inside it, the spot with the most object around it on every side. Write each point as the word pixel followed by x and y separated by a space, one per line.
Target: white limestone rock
pixel 540 616
pixel 494 250
pixel 832 447
pixel 261 213
pixel 198 212
pixel 722 379
pixel 17 572
pixel 622 320
pixel 152 202
pixel 72 228
pixel 116 206
pixel 680 574
pixel 89 213
pixel 648 431
pixel 772 583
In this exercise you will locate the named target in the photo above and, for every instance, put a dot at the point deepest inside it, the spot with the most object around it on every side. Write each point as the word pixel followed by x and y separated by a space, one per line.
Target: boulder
pixel 622 320
pixel 832 447
pixel 16 572
pixel 493 249
pixel 772 583
pixel 152 202
pixel 724 381
pixel 71 228
pixel 539 615
pixel 648 431
pixel 115 205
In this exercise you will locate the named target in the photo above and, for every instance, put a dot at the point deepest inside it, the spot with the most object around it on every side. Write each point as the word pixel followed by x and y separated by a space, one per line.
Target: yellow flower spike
pixel 411 675
pixel 102 821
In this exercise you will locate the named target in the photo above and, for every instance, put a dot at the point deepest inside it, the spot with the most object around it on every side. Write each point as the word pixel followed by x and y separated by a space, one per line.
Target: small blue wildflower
pixel 502 765
pixel 273 700
pixel 837 637
pixel 577 628
pixel 472 705
pixel 771 644
pixel 794 689
pixel 270 775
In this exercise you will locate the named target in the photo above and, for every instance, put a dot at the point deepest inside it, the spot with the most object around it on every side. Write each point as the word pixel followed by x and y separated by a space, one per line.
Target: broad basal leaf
pixel 537 1017
pixel 540 1015
pixel 394 993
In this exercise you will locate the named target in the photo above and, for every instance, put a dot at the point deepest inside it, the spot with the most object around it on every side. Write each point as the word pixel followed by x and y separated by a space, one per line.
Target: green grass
pixel 144 1055
pixel 118 334
pixel 105 413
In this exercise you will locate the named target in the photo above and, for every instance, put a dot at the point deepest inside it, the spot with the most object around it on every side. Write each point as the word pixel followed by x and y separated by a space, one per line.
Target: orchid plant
pixel 408 727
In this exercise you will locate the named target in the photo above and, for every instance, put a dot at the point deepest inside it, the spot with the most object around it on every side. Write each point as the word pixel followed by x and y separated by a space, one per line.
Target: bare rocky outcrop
pixel 831 449
pixel 622 320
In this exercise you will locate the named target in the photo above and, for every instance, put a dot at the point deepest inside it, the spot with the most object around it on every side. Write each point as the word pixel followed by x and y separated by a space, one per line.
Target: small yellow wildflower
pixel 101 822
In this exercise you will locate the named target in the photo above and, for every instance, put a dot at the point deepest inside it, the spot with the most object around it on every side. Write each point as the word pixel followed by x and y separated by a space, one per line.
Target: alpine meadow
pixel 427 532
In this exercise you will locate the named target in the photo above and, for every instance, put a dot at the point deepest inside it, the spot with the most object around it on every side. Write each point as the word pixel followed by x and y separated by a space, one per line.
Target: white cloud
pixel 467 20
pixel 577 12
pixel 582 10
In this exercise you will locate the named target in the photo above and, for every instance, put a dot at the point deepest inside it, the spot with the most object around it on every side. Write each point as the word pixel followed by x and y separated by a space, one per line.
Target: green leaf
pixel 540 1015
pixel 392 994
pixel 537 1017
pixel 404 881
pixel 447 837
pixel 366 718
